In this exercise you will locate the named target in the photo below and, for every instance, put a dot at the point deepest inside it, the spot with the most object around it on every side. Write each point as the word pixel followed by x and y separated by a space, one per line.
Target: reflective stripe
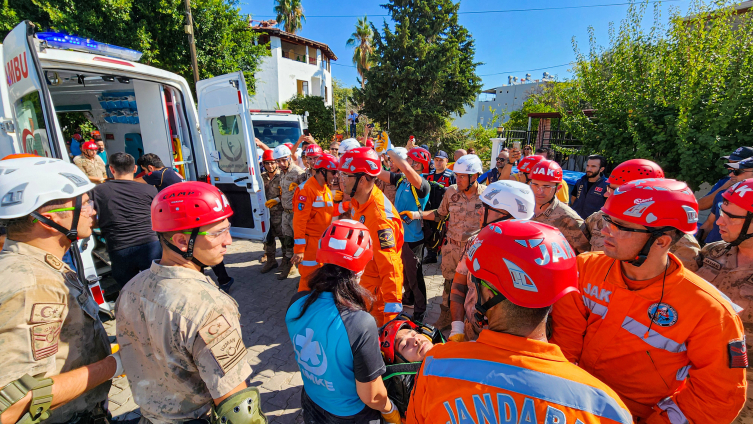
pixel 300 186
pixel 393 308
pixel 340 209
pixel 673 411
pixel 596 308
pixel 309 263
pixel 329 203
pixel 318 204
pixel 300 241
pixel 682 373
pixel 388 207
pixel 527 382
pixel 654 339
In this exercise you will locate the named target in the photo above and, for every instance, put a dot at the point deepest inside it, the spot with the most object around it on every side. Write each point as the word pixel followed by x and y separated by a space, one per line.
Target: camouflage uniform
pixel 49 324
pixel 462 224
pixel 180 343
pixel 295 175
pixel 272 190
pixel 472 329
pixel 568 222
pixel 686 249
pixel 388 189
pixel 93 168
pixel 718 266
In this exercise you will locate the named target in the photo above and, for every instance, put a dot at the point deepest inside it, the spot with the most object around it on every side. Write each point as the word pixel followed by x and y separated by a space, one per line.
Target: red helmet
pixel 326 161
pixel 77 137
pixel 655 202
pixel 369 143
pixel 90 145
pixel 527 163
pixel 313 150
pixel 387 337
pixel 267 156
pixel 547 170
pixel 360 160
pixel 538 265
pixel 345 243
pixel 420 155
pixel 737 194
pixel 289 146
pixel 634 169
pixel 187 205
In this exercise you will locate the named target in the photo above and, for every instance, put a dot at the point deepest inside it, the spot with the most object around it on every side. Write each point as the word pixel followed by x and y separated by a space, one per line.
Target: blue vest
pixel 589 202
pixel 324 355
pixel 406 201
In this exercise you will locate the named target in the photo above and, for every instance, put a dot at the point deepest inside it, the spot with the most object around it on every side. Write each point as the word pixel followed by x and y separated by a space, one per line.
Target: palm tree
pixel 361 40
pixel 290 14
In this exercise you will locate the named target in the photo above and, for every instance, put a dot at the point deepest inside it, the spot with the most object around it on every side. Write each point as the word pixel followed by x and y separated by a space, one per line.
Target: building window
pixel 325 94
pixel 303 87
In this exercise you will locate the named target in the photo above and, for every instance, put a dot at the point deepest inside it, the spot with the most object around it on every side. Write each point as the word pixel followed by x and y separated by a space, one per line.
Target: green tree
pixel 289 15
pixel 424 70
pixel 224 41
pixel 540 99
pixel 321 125
pixel 363 50
pixel 342 97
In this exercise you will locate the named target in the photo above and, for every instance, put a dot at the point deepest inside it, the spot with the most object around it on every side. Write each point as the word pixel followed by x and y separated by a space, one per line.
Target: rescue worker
pixel 390 190
pixel 502 200
pixel 410 199
pixel 546 178
pixel 461 202
pixel 348 387
pixel 180 336
pixel 444 176
pixel 728 264
pixel 383 276
pixel 669 343
pixel 525 167
pixel 511 371
pixel 686 249
pixel 344 146
pixel 271 178
pixel 591 189
pixel 313 209
pixel 310 155
pixel 56 354
pixel 292 175
pixel 90 163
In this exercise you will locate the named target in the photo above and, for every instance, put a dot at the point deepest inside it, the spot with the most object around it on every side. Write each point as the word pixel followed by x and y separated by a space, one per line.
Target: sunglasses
pixel 211 235
pixel 611 224
pixel 501 159
pixel 738 172
pixel 722 212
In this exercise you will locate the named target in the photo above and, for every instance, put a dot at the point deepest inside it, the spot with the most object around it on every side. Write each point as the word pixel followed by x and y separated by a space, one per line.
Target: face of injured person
pixel 412 345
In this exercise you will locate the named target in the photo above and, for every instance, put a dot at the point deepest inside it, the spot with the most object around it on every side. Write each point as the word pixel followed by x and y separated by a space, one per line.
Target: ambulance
pixel 138 109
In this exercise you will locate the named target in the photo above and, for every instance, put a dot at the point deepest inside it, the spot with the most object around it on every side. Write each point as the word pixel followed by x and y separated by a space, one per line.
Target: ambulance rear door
pixel 29 99
pixel 228 137
pixel 8 143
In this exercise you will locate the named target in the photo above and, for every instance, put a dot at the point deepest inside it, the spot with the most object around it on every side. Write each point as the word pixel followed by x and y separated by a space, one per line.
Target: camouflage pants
pixel 451 255
pixel 275 231
pixel 746 415
pixel 287 223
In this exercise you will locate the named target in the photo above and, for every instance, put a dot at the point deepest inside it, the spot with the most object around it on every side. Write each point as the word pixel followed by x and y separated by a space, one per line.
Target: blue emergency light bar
pixel 87 45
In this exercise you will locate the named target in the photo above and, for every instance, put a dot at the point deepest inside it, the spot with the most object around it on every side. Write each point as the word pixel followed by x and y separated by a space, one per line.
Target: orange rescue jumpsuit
pixel 503 378
pixel 313 210
pixel 685 368
pixel 383 275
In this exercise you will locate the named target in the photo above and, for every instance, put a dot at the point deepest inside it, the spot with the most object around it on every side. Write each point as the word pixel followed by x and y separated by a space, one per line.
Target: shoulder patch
pixel 44 339
pixel 53 261
pixel 214 329
pixel 228 351
pixel 46 312
pixel 738 355
pixel 386 238
pixel 712 264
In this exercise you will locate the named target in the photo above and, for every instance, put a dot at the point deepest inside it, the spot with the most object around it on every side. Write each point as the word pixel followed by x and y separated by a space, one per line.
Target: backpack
pixel 434 232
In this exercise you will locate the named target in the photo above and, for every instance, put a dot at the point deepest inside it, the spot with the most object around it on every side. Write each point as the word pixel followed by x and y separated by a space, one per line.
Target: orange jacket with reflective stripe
pixel 502 378
pixel 313 209
pixel 678 370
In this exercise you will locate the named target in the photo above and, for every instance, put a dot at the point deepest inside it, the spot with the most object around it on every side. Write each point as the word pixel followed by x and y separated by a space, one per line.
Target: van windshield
pixel 274 133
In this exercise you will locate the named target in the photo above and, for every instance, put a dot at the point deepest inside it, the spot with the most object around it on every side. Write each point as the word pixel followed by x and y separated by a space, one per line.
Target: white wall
pixel 267 90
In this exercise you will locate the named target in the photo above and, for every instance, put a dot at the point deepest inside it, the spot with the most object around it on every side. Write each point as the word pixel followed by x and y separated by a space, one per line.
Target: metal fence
pixel 548 139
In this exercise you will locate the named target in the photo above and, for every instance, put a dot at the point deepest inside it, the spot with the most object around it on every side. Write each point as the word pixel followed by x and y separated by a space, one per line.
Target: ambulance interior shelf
pixel 120 107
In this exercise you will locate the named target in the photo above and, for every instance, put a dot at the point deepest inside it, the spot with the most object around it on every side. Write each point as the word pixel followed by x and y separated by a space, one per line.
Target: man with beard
pixel 271 180
pixel 591 189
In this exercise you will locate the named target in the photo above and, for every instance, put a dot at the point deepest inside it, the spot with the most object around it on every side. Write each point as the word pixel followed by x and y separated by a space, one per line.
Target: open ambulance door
pixel 230 149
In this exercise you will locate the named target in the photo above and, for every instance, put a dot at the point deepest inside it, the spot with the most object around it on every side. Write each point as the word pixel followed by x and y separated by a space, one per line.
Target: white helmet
pixel 347 144
pixel 401 151
pixel 280 152
pixel 36 181
pixel 511 196
pixel 468 164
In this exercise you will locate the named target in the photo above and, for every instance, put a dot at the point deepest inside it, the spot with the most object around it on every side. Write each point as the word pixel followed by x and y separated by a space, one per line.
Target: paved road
pixel 263 300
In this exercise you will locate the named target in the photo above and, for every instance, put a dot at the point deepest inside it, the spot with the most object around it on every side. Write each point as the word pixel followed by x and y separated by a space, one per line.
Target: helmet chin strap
pixel 743 231
pixel 355 185
pixel 642 255
pixel 71 234
pixel 486 215
pixel 482 309
pixel 188 254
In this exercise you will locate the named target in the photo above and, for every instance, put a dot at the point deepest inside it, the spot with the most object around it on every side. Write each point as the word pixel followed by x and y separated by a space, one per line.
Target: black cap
pixel 746 163
pixel 441 154
pixel 740 153
pixel 426 147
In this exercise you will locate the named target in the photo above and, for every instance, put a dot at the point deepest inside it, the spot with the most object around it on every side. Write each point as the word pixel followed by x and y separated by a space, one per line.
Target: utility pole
pixel 191 41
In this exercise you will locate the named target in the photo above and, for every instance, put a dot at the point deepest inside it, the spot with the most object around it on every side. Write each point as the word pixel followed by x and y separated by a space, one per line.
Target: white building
pixel 297 66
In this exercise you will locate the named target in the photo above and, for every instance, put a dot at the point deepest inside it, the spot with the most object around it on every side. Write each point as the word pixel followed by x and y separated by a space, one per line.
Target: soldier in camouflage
pixel 292 176
pixel 91 164
pixel 180 335
pixel 546 177
pixel 461 202
pixel 53 343
pixel 271 178
pixel 728 265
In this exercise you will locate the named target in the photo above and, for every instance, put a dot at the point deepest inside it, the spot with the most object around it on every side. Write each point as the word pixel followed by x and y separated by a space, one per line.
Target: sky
pixel 510 43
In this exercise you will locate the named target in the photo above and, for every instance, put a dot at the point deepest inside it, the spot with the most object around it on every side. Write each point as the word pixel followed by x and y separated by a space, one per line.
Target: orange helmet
pixel 20 155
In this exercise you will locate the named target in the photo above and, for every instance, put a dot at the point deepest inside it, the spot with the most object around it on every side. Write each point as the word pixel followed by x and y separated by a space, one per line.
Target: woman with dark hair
pixel 335 339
